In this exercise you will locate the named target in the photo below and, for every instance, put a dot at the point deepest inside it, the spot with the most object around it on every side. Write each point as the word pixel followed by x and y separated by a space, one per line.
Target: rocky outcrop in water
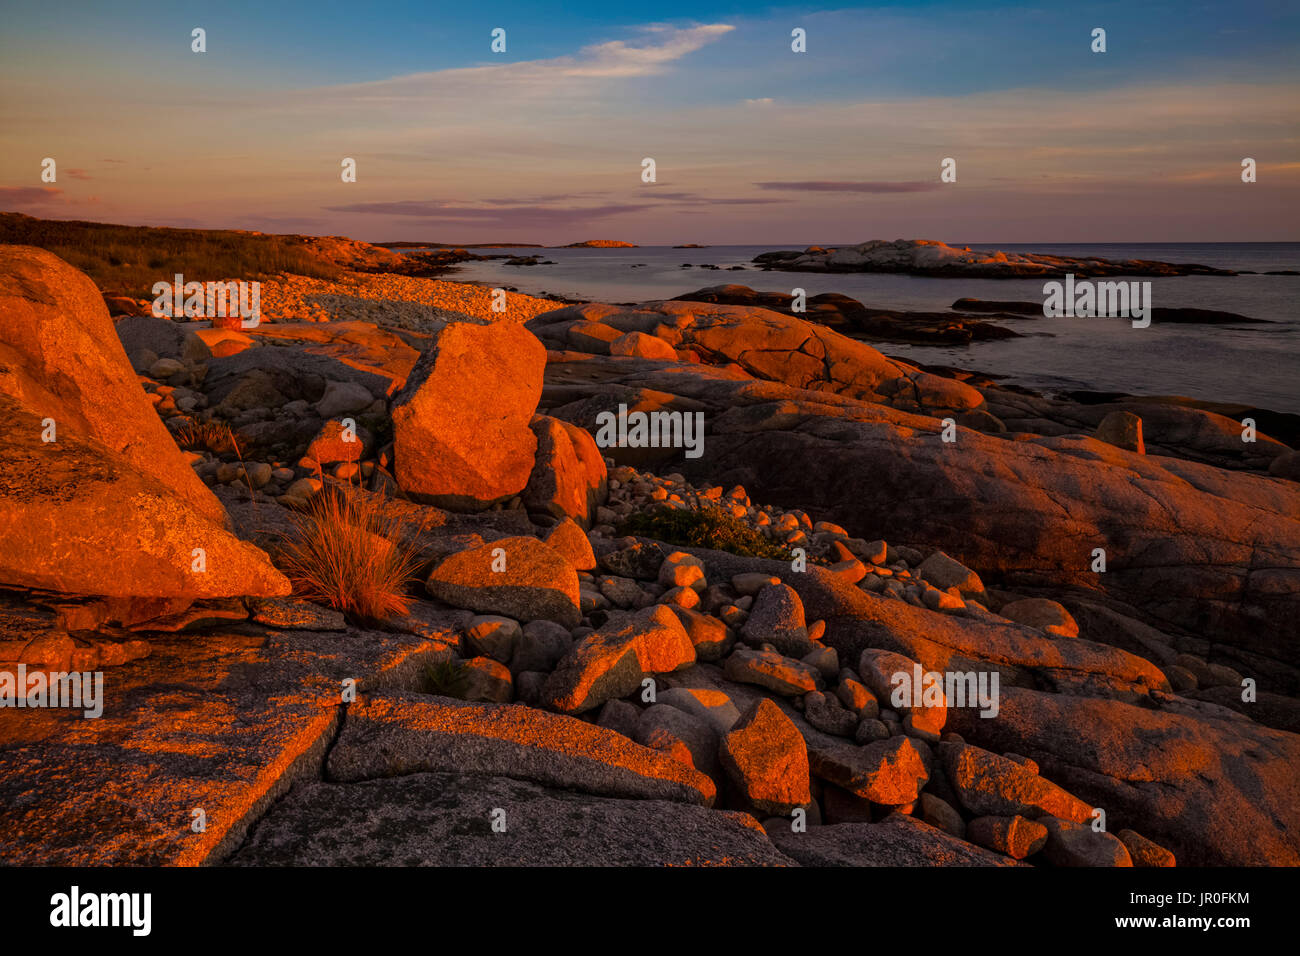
pixel 926 257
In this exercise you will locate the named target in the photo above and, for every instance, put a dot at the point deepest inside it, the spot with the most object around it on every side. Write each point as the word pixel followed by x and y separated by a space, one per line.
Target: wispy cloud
pixel 27 197
pixel 588 69
pixel 831 186
pixel 434 212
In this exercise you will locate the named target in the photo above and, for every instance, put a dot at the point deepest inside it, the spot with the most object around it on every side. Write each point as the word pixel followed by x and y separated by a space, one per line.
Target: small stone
pixel 870 730
pixel 1015 836
pixel 682 570
pixel 827 714
pixel 492 636
pixel 855 697
pixel 709 635
pixel 165 368
pixel 777 618
pixel 769 669
pixel 568 538
pixel 826 660
pixel 666 728
pixel 482 678
pixel 943 572
pixel 939 813
pixel 713 706
pixel 684 597
pixel 540 646
pixel 1123 430
pixel 1144 852
pixel 290 614
pixel 341 398
pixel 752 582
pixel 619 716
pixel 1048 616
pixel 1078 844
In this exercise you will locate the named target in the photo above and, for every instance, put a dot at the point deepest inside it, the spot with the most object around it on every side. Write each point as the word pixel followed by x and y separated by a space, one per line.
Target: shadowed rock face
pixel 440 819
pixel 895 841
pixel 1215 552
pixel 1218 791
pixel 110 506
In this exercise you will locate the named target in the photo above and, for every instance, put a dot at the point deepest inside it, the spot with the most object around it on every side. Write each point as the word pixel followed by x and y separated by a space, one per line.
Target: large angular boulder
pixel 461 431
pixel 766 761
pixel 109 505
pixel 991 785
pixel 62 359
pixel 569 478
pixel 518 577
pixel 611 662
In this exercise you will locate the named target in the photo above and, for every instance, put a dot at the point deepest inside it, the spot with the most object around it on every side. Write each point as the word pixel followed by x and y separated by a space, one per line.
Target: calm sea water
pixel 1251 364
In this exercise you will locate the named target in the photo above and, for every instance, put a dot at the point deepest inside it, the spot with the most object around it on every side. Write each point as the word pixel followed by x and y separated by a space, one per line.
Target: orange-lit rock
pixel 460 424
pixel 518 577
pixel 990 785
pixel 394 733
pixel 765 759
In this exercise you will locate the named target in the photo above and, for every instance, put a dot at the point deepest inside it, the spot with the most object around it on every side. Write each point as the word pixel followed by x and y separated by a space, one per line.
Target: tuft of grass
pixel 346 553
pixel 445 678
pixel 212 436
pixel 704 528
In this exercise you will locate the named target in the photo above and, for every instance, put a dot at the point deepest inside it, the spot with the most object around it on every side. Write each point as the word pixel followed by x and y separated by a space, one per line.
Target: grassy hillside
pixel 128 260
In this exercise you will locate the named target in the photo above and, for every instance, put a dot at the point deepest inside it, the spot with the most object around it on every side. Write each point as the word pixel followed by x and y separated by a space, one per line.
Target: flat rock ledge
pixel 444 819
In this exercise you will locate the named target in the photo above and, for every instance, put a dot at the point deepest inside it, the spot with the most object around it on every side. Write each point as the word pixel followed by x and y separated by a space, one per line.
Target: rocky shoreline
pixel 927 257
pixel 602 642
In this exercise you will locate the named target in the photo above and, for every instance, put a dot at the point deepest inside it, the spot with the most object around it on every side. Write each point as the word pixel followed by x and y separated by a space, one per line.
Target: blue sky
pixel 544 142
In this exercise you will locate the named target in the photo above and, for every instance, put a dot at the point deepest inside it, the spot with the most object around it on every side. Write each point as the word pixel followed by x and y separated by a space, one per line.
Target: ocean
pixel 1257 365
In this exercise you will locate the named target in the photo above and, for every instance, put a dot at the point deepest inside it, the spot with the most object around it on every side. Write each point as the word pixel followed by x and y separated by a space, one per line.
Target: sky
pixel 752 142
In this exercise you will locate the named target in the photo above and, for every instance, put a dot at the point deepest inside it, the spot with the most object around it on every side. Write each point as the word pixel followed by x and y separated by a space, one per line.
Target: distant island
pixel 927 257
pixel 598 244
pixel 461 245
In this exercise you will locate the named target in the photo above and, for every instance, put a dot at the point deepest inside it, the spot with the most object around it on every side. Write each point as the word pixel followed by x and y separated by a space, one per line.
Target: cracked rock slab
pixel 221 722
pixel 440 819
pixel 394 734
pixel 897 840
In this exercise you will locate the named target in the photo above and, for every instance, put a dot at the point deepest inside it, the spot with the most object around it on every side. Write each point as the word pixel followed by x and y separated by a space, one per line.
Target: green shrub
pixel 445 678
pixel 706 528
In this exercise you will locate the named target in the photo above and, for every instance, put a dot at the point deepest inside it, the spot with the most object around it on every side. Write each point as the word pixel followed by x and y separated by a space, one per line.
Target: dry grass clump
pixel 348 554
pixel 215 437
